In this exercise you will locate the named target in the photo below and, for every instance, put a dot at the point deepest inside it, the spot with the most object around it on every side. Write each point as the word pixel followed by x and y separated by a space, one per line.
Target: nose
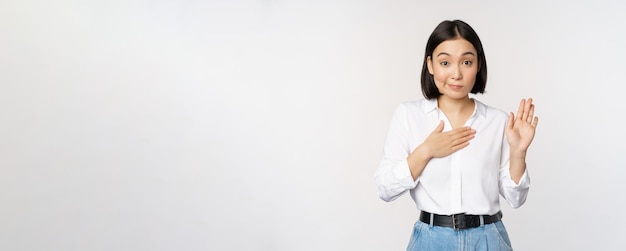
pixel 456 73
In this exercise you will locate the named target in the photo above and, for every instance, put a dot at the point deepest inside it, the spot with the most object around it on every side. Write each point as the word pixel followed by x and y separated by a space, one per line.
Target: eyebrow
pixel 446 54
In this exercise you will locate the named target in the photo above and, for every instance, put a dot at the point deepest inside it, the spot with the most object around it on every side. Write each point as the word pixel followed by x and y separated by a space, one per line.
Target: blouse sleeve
pixel 514 194
pixel 393 176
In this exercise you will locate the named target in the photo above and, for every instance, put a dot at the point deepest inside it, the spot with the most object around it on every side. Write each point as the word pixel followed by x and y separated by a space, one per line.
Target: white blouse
pixel 466 181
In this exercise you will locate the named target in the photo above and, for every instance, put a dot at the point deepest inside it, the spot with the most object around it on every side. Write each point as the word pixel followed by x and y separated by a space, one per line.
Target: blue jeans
pixel 487 237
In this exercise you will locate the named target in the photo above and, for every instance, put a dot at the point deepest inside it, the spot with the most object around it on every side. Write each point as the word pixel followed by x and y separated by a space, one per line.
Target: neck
pixel 449 105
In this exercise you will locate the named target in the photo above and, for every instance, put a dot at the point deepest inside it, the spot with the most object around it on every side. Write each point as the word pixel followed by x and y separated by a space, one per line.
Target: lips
pixel 455 87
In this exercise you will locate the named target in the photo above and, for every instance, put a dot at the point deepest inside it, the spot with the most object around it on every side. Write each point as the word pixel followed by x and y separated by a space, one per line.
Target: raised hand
pixel 440 144
pixel 520 131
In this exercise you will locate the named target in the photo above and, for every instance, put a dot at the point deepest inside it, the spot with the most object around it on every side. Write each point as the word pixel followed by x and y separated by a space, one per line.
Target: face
pixel 454 65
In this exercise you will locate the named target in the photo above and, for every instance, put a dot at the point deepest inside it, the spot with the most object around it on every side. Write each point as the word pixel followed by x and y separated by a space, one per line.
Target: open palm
pixel 520 131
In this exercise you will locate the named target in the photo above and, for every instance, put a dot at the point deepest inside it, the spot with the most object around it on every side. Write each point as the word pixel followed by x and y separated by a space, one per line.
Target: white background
pixel 258 125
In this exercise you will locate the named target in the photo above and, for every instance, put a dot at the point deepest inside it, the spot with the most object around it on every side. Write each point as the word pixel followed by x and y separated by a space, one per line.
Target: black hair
pixel 448 30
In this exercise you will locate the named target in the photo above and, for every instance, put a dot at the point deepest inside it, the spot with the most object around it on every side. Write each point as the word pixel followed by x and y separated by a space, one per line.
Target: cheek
pixel 471 74
pixel 440 75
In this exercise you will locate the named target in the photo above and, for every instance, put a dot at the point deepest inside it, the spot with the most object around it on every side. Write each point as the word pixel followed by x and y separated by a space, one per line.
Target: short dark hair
pixel 448 30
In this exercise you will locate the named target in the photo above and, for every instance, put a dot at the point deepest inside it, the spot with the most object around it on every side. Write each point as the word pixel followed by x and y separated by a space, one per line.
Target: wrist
pixel 517 154
pixel 417 161
pixel 421 152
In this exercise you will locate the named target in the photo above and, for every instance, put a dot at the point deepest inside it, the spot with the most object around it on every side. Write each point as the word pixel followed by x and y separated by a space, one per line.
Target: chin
pixel 456 95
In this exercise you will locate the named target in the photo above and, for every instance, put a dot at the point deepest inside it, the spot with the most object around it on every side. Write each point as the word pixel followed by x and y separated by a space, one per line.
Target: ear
pixel 429 63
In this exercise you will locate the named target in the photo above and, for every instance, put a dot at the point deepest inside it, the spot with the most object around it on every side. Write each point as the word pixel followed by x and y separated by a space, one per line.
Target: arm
pixel 393 177
pixel 514 182
pixel 520 133
pixel 514 192
pixel 400 167
pixel 438 144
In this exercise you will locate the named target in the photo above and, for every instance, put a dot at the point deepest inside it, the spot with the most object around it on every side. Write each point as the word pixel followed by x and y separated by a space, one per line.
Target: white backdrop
pixel 258 125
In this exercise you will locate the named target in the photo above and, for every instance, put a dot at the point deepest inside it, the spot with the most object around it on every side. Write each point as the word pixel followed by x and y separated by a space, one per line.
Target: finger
pixel 535 122
pixel 511 121
pixel 460 133
pixel 520 109
pixel 461 140
pixel 455 137
pixel 439 127
pixel 527 117
pixel 460 136
pixel 460 146
pixel 531 113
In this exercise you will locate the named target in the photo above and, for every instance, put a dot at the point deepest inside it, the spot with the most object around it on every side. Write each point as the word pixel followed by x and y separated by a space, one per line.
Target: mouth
pixel 455 87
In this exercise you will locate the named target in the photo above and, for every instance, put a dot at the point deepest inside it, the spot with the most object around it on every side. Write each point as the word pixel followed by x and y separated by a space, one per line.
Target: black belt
pixel 459 221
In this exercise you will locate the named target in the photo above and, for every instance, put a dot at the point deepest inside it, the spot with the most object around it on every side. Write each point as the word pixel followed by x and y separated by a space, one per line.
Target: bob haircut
pixel 450 30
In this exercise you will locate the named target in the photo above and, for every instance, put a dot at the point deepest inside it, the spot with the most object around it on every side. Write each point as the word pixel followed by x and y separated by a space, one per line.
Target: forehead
pixel 454 47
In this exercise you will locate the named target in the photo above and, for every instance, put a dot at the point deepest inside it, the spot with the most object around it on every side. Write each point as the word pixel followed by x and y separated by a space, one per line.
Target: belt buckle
pixel 455 221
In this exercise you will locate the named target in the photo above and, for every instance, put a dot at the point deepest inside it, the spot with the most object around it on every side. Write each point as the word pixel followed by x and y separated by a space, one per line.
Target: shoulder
pixel 491 112
pixel 410 113
pixel 417 106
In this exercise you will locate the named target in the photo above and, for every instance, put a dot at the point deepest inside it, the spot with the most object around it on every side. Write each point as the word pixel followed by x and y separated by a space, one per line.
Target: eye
pixel 467 62
pixel 444 63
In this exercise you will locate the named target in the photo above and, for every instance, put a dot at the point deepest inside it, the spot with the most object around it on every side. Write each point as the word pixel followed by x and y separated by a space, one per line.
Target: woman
pixel 455 154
